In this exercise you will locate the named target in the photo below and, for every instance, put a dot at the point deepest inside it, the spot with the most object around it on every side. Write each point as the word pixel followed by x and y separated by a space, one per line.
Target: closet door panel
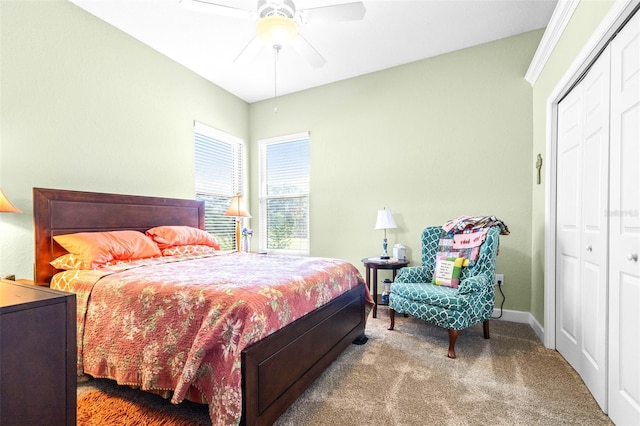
pixel 569 309
pixel 582 230
pixel 624 383
pixel 630 169
pixel 594 238
pixel 592 347
pixel 624 277
pixel 568 227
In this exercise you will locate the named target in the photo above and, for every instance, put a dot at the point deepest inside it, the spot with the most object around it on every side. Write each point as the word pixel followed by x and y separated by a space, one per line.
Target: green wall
pixel 431 140
pixel 583 23
pixel 86 107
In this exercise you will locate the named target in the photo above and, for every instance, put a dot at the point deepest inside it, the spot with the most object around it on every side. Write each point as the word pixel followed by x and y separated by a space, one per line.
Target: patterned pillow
pixel 70 262
pixel 448 270
pixel 188 249
pixel 67 262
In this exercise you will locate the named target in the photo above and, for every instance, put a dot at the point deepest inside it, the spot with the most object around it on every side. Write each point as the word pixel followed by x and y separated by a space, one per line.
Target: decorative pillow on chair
pixel 448 270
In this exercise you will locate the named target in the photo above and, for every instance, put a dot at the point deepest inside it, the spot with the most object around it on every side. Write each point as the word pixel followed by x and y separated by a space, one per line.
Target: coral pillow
pixel 169 236
pixel 96 249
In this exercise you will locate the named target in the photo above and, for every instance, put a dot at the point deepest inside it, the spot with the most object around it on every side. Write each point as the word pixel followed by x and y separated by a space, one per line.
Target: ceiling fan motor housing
pixel 284 8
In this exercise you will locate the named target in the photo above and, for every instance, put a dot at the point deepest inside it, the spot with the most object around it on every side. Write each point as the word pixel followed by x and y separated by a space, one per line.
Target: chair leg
pixel 453 336
pixel 485 327
pixel 392 318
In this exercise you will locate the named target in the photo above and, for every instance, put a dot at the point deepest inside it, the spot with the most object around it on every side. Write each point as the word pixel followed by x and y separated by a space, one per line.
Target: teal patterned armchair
pixel 472 302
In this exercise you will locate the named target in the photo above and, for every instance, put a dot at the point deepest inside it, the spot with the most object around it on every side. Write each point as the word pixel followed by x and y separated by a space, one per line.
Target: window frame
pixel 263 197
pixel 235 186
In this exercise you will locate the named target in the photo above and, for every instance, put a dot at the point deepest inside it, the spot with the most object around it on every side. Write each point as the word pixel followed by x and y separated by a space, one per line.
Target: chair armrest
pixel 474 284
pixel 414 274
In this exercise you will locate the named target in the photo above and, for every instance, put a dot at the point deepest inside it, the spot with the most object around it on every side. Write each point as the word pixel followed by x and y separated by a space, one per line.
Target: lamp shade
pixel 385 220
pixel 6 206
pixel 237 209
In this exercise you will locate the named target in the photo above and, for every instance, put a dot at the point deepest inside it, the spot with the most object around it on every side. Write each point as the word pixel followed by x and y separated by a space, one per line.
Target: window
pixel 218 174
pixel 284 194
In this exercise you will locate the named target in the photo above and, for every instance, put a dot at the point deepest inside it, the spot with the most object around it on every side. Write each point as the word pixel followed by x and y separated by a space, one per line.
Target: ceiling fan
pixel 278 23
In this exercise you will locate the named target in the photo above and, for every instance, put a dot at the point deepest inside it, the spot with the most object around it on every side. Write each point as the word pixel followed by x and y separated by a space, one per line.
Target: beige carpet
pixel 403 377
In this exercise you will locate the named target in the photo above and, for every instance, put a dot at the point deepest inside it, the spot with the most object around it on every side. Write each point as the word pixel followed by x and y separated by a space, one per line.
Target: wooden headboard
pixel 57 212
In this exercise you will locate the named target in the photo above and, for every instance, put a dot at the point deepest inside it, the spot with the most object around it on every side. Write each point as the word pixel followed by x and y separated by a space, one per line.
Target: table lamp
pixel 6 206
pixel 237 210
pixel 385 221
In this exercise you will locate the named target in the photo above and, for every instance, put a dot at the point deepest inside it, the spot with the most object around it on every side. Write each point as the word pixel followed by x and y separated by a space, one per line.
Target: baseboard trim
pixel 520 317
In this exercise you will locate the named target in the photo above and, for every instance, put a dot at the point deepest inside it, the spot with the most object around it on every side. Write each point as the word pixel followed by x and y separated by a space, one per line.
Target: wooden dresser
pixel 37 355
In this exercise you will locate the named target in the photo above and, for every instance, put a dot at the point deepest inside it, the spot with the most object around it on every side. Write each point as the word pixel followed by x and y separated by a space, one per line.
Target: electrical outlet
pixel 499 279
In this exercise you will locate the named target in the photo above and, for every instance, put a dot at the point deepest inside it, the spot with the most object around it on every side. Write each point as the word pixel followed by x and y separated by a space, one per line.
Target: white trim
pixel 262 197
pixel 550 227
pixel 558 22
pixel 611 23
pixel 212 132
pixel 286 138
pixel 520 317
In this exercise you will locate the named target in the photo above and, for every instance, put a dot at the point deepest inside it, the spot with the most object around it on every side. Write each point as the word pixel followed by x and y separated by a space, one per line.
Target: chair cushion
pixel 431 294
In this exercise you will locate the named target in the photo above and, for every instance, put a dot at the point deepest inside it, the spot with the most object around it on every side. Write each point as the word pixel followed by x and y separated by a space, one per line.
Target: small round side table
pixel 376 263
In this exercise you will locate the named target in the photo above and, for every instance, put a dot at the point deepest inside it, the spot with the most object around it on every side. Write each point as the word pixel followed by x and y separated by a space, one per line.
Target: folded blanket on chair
pixel 473 224
pixel 463 236
pixel 470 240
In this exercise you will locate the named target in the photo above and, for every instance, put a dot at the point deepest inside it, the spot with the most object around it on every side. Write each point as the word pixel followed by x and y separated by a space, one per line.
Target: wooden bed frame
pixel 275 370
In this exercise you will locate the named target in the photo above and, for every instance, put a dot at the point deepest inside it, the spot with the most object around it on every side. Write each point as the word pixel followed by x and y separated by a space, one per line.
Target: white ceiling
pixel 392 33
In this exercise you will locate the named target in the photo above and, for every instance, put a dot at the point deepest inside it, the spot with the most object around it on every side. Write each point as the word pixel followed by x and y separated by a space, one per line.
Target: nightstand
pixel 30 282
pixel 38 356
pixel 23 281
pixel 376 263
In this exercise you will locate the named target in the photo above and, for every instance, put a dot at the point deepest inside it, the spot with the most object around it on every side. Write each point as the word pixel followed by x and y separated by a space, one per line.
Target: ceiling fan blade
pixel 308 52
pixel 249 52
pixel 340 12
pixel 215 8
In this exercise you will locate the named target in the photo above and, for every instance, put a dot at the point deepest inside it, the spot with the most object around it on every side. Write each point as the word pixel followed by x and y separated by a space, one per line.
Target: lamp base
pixel 384 255
pixel 237 234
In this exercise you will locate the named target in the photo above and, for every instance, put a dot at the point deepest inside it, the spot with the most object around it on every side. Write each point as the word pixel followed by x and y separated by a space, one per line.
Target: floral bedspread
pixel 173 323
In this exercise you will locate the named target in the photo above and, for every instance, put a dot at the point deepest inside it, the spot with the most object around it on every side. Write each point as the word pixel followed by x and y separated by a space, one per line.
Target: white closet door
pixel 624 276
pixel 582 243
pixel 569 162
pixel 594 244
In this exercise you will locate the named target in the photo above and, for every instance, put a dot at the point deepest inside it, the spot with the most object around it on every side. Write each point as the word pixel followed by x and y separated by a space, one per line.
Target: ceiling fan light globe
pixel 276 30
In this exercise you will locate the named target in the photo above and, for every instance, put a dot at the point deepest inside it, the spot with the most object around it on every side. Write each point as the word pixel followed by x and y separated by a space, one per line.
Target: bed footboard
pixel 277 369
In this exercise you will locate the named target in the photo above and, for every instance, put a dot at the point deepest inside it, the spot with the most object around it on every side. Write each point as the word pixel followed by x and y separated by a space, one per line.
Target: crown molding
pixel 557 24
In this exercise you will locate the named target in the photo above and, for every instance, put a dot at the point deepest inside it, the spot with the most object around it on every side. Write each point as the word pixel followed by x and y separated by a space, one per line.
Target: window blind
pixel 218 176
pixel 284 194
